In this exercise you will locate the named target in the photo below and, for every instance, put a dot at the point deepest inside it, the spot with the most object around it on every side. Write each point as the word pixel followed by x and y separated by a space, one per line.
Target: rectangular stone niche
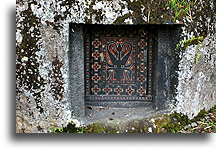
pixel 121 69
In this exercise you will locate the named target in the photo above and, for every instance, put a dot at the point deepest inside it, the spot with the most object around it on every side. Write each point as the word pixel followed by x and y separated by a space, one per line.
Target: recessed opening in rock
pixel 125 69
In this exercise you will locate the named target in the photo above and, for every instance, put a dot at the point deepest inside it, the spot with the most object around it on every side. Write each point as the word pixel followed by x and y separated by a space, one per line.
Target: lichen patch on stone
pixel 42 48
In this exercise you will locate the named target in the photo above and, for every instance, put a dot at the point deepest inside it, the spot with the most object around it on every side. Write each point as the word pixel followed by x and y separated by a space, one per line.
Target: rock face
pixel 196 88
pixel 43 76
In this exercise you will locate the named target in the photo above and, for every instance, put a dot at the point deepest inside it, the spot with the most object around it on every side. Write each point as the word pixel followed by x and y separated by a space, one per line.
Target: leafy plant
pixel 179 7
pixel 53 130
pixel 178 121
pixel 71 128
pixel 198 53
pixel 193 41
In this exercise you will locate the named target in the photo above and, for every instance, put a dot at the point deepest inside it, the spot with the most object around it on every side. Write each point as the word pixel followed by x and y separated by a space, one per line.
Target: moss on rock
pixel 171 123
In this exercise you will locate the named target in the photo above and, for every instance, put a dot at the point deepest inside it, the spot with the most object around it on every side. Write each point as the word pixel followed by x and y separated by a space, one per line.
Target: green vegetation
pixel 99 128
pixel 205 121
pixel 179 8
pixel 193 41
pixel 198 53
pixel 71 128
pixel 96 128
pixel 172 123
pixel 172 11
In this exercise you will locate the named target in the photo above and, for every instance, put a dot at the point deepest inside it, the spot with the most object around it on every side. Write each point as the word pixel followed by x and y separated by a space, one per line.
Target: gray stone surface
pixel 97 114
pixel 45 85
pixel 196 88
pixel 120 104
pixel 167 39
pixel 76 70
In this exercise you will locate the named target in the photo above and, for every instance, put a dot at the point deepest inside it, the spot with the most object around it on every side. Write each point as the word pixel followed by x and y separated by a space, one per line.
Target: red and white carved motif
pixel 96 66
pixel 142 44
pixel 142 79
pixel 95 78
pixel 130 90
pixel 96 43
pixel 118 90
pixel 96 89
pixel 142 91
pixel 142 67
pixel 107 89
pixel 141 56
pixel 96 55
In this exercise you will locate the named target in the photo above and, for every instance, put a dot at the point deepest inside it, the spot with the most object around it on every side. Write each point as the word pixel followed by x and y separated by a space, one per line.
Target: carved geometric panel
pixel 118 63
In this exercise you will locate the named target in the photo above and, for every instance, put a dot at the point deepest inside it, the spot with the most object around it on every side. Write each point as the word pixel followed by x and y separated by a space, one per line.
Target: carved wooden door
pixel 118 63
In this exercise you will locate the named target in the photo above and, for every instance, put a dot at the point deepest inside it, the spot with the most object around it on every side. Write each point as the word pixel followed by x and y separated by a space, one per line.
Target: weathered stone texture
pixel 41 74
pixel 196 88
pixel 76 67
pixel 43 81
pixel 168 36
